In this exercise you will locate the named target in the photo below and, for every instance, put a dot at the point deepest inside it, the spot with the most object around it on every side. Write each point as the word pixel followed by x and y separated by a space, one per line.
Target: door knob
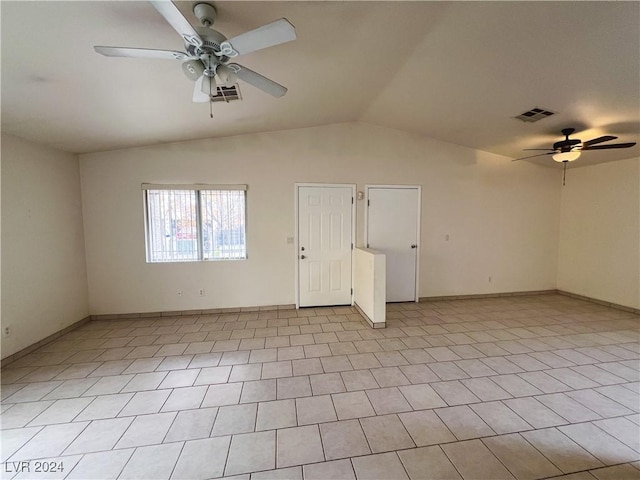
pixel 414 246
pixel 302 257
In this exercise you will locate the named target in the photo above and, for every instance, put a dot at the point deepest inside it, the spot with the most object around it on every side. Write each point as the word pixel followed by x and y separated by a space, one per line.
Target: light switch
pixel 290 240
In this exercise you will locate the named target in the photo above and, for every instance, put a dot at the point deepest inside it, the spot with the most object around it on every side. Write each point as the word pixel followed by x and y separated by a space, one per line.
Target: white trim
pixel 297 236
pixel 194 186
pixel 419 214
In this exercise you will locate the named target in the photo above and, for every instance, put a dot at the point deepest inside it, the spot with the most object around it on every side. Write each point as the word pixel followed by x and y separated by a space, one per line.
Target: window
pixel 195 222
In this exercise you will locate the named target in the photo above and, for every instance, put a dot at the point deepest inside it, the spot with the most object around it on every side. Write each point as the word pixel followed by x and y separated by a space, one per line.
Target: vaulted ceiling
pixel 454 71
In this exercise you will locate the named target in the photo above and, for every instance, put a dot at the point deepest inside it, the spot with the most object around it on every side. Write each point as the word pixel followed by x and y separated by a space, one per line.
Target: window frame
pixel 197 189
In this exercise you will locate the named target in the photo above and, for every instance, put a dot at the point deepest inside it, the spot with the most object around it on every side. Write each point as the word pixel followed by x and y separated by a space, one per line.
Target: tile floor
pixel 514 387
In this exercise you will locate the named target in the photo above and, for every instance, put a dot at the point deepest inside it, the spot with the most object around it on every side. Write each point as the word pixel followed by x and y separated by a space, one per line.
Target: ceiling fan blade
pixel 263 83
pixel 539 149
pixel 593 141
pixel 274 33
pixel 198 95
pixel 607 147
pixel 140 53
pixel 532 156
pixel 175 18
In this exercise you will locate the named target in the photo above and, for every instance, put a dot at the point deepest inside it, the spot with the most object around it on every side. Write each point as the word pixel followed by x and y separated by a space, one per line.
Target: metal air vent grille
pixel 534 115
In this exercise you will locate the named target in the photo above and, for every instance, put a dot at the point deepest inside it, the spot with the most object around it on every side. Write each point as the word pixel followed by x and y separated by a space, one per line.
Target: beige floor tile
pixel 298 446
pixel 336 469
pixel 210 375
pixel 51 441
pixel 202 459
pixel 179 378
pixel 388 400
pixel 258 391
pixel 307 366
pixel 352 405
pixel 523 460
pixel 390 377
pixel 61 411
pixel 386 433
pixel 485 389
pixel 516 386
pixel 454 392
pixel 463 422
pixel 343 439
pixel 290 473
pixel 276 414
pixel 600 444
pixel 375 467
pixel 152 463
pixel 567 455
pixel 602 405
pixel 99 435
pixel 534 413
pixel 222 394
pixel 317 409
pixel 147 430
pixel 475 461
pixel 251 452
pixel 622 429
pixel 422 396
pixel 293 387
pixel 14 439
pixel 419 374
pixel 500 418
pixel 428 463
pixel 235 419
pixel 325 383
pixel 617 472
pixel 145 402
pixel 358 380
pixel 618 393
pixel 22 413
pixel 191 424
pixel 277 369
pixel 184 398
pixel 567 407
pixel 364 360
pixel 106 406
pixel 101 465
pixel 426 428
pixel 108 385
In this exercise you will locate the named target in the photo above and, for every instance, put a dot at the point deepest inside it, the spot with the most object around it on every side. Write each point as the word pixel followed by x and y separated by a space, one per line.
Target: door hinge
pixel 368 203
pixel 352 246
pixel 351 200
pixel 367 245
pixel 352 291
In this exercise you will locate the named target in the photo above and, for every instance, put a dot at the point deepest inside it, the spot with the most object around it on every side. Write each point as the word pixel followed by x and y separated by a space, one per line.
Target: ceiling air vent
pixel 534 115
pixel 226 94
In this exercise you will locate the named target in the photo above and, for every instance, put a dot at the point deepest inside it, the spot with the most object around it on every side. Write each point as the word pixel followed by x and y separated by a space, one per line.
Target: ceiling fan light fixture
pixel 561 157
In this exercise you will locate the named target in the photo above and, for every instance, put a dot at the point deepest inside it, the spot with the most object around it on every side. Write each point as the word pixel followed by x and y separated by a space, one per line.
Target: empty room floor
pixel 511 387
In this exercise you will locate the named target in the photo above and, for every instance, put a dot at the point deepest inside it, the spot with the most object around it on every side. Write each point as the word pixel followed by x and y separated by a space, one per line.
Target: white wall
pixel 44 280
pixel 502 217
pixel 599 253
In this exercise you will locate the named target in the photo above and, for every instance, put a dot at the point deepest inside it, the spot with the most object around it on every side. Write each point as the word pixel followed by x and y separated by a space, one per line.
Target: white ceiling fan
pixel 208 52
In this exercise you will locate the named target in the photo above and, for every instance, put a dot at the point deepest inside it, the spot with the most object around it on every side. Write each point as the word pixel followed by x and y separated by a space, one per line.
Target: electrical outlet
pixel 6 331
pixel 179 293
pixel 202 292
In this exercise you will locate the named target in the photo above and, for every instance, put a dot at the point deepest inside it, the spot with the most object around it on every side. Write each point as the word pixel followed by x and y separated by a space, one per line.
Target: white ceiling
pixel 454 71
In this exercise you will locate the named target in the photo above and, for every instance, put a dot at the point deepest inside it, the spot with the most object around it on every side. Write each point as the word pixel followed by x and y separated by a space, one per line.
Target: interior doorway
pixel 325 227
pixel 393 227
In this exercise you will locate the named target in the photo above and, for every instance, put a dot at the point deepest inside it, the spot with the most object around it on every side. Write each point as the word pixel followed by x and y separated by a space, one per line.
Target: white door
pixel 393 216
pixel 325 244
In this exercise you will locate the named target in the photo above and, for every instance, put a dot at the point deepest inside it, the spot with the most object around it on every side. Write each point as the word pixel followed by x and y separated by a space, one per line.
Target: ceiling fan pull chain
pixel 564 172
pixel 210 99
